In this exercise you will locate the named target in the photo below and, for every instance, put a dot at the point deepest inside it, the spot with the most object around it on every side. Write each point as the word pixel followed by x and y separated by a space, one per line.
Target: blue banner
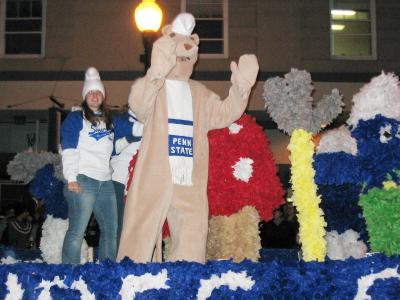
pixel 375 277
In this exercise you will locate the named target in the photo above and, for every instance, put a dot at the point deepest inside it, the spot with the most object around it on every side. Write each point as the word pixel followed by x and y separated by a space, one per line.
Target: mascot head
pixel 186 45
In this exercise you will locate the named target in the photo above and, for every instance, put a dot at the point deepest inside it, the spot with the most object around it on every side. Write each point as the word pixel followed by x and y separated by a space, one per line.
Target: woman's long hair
pixel 89 115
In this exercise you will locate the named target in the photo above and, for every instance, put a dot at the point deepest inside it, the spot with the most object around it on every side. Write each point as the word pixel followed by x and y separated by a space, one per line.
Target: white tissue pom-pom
pixel 365 282
pixel 334 247
pixel 9 260
pixel 345 245
pixel 231 279
pixel 380 96
pixel 352 247
pixel 131 284
pixel 243 169
pixel 337 140
pixel 53 233
pixel 15 289
pixel 235 128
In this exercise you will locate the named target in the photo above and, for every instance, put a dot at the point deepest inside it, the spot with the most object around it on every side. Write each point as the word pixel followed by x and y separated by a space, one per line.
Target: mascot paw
pixel 244 74
pixel 163 57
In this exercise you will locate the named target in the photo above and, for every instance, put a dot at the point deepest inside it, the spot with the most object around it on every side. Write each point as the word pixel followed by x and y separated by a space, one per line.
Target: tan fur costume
pixel 153 197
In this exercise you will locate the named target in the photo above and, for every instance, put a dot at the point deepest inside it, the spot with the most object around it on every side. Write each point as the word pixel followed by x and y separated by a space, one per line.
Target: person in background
pixel 127 136
pixel 281 231
pixel 19 229
pixel 3 226
pixel 271 233
pixel 87 144
pixel 37 222
pixel 4 223
pixel 92 233
pixel 291 225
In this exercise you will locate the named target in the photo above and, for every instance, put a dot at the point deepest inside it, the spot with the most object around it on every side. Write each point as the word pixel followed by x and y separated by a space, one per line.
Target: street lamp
pixel 148 17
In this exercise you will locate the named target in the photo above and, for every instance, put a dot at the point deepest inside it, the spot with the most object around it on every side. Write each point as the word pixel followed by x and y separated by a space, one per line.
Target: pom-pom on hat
pixel 183 24
pixel 92 82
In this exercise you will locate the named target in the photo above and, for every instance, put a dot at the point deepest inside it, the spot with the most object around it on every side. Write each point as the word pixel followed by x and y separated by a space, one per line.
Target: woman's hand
pixel 74 187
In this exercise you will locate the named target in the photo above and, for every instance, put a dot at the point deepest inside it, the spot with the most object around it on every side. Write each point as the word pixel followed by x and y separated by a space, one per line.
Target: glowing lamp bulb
pixel 148 16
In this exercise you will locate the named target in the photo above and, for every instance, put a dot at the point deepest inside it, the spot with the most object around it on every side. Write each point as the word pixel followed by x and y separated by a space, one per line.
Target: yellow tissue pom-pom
pixel 305 198
pixel 390 184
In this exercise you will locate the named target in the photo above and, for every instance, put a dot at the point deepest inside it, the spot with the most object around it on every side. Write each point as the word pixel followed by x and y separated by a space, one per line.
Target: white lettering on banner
pixel 182 150
pixel 47 284
pixel 365 282
pixel 16 292
pixel 180 146
pixel 182 141
pixel 132 284
pixel 232 279
pixel 80 285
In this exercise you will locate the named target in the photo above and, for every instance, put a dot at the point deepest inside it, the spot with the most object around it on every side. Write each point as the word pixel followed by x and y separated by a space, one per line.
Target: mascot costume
pixel 170 178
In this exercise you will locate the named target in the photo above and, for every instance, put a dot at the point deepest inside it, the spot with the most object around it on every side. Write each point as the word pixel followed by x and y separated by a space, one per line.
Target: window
pixel 353 33
pixel 211 26
pixel 22 28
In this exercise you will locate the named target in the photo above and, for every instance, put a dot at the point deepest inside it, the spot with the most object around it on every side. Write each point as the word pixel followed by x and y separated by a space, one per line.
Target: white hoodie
pixel 86 149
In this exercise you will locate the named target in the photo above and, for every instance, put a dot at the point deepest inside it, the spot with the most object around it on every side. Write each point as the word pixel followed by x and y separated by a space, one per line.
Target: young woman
pixel 87 144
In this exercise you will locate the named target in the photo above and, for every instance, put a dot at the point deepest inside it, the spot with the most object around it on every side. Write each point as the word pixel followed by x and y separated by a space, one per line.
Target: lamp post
pixel 148 17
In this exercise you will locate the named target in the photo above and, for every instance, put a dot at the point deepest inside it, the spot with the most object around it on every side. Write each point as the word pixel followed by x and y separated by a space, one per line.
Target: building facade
pixel 46 45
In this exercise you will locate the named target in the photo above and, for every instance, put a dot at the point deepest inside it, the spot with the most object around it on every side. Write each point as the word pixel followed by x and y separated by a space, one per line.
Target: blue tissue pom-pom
pixel 47 187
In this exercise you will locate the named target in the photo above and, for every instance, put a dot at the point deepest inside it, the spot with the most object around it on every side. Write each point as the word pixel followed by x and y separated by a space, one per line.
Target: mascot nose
pixel 188 46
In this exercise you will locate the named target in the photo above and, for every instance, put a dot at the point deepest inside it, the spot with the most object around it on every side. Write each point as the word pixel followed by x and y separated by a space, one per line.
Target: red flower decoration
pixel 227 194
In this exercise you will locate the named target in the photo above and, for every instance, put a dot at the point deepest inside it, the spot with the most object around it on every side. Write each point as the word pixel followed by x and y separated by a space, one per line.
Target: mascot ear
pixel 195 38
pixel 166 30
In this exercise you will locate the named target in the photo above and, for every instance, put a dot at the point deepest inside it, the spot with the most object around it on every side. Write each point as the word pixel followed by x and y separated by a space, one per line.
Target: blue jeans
pixel 119 194
pixel 97 197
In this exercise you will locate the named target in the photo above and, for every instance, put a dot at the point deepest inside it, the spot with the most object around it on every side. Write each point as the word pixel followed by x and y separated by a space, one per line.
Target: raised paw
pixel 244 74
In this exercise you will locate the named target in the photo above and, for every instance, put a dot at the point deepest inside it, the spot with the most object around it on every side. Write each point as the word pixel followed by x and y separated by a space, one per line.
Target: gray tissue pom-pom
pixel 327 109
pixel 25 165
pixel 289 102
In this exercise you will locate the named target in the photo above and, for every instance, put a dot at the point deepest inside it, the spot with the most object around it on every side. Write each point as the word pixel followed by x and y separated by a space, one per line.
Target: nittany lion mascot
pixel 170 178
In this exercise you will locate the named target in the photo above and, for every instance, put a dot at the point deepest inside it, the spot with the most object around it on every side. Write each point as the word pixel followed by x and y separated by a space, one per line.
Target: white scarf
pixel 180 131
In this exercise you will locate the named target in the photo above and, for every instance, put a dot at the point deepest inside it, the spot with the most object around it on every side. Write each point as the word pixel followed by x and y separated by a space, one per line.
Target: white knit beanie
pixel 92 82
pixel 183 24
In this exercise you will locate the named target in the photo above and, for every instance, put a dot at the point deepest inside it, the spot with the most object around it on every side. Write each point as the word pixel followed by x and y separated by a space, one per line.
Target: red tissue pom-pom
pixel 226 193
pixel 131 168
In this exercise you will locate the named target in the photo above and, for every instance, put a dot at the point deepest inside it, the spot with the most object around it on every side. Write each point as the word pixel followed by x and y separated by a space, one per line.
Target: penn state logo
pixel 98 133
